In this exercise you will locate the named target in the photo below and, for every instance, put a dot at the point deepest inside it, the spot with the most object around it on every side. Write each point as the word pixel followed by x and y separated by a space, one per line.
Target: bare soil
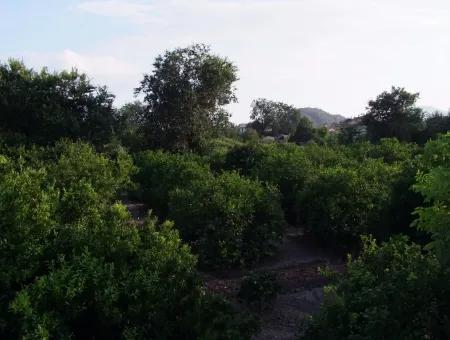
pixel 296 267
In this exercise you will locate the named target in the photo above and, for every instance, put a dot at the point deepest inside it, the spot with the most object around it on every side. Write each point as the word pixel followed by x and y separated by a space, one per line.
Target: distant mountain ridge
pixel 320 117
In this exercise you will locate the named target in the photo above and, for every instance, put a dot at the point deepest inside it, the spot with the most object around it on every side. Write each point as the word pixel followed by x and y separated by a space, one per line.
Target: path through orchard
pixel 296 268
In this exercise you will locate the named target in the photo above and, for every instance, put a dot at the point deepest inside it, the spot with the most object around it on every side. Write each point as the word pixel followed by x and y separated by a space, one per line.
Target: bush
pixel 217 320
pixel 434 184
pixel 397 290
pixel 68 163
pixel 215 151
pixel 284 166
pixel 75 162
pixel 339 204
pixel 91 273
pixel 390 150
pixel 230 220
pixel 259 289
pixel 244 158
pixel 141 286
pixel 160 172
pixel 392 291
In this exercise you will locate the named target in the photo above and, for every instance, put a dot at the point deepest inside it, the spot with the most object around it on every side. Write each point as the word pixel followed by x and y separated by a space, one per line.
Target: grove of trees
pixel 75 265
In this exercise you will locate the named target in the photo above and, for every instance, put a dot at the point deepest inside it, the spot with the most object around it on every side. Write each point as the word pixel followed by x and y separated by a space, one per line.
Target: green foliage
pixel 351 131
pixel 394 114
pixel 338 204
pixel 337 192
pixel 435 124
pixel 160 173
pixel 397 290
pixel 304 131
pixel 259 289
pixel 230 220
pixel 392 291
pixel 282 165
pixel 130 125
pixel 244 158
pixel 113 291
pixel 273 118
pixel 45 106
pixel 184 97
pixel 74 266
pixel 215 151
pixel 434 185
pixel 78 162
pixel 27 209
pixel 390 150
pixel 250 135
pixel 216 320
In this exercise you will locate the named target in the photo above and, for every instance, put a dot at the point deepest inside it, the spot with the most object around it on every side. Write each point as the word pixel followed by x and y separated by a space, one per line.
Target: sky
pixel 336 55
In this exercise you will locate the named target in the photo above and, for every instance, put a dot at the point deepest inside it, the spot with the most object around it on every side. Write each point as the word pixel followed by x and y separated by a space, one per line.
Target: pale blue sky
pixel 324 53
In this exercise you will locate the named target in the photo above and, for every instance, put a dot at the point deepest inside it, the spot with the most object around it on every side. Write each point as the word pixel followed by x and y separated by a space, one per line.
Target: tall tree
pixel 46 106
pixel 393 114
pixel 274 118
pixel 185 95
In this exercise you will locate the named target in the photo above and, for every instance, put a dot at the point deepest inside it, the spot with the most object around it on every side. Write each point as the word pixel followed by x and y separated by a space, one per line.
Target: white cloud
pixel 139 12
pixel 96 65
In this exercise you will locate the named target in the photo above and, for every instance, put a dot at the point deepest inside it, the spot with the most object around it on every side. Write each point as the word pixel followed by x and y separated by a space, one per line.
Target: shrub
pixel 339 204
pixel 230 220
pixel 244 158
pixel 390 150
pixel 397 290
pixel 91 273
pixel 75 162
pixel 434 184
pixel 215 151
pixel 284 166
pixel 160 172
pixel 140 286
pixel 326 156
pixel 392 291
pixel 68 163
pixel 217 320
pixel 259 289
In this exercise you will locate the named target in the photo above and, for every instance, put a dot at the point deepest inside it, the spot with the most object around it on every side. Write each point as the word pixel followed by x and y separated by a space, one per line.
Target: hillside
pixel 320 117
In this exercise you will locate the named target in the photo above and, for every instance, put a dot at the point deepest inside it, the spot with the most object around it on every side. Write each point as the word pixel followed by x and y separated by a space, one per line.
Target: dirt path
pixel 296 267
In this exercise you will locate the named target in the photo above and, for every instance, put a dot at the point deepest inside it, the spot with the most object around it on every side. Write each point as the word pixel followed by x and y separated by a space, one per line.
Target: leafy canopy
pixel 46 106
pixel 184 96
pixel 393 114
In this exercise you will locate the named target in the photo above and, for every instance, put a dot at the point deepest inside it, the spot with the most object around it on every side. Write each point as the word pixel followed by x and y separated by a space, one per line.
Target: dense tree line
pixel 74 265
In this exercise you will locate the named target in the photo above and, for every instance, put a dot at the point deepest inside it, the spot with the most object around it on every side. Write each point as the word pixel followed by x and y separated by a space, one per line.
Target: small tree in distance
pixel 273 118
pixel 393 114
